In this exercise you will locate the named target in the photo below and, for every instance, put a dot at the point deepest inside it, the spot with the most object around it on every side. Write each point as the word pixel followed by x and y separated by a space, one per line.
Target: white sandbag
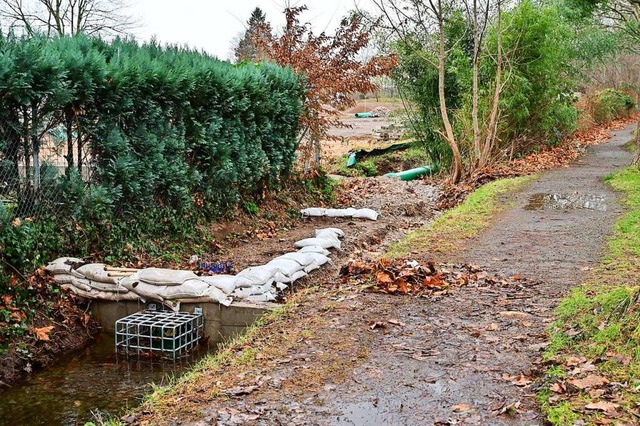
pixel 255 275
pixel 314 249
pixel 81 283
pixel 311 267
pixel 328 235
pixel 160 276
pixel 298 275
pixel 338 213
pixel 336 231
pixel 285 266
pixel 144 290
pixel 324 243
pixel 319 259
pixel 62 265
pixel 261 289
pixel 96 272
pixel 304 259
pixel 110 288
pixel 226 283
pixel 281 286
pixel 266 297
pixel 242 292
pixel 366 214
pixel 213 294
pixel 314 212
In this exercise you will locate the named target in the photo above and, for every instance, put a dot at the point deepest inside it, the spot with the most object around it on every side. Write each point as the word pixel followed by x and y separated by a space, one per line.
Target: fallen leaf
pixel 460 408
pixel 557 388
pixel 492 327
pixel 43 332
pixel 607 407
pixel 588 382
pixel 396 322
pixel 376 324
pixel 519 380
pixel 514 314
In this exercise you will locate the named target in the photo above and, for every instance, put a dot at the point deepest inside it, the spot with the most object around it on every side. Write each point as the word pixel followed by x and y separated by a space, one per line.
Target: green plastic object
pixel 353 159
pixel 412 174
pixel 364 115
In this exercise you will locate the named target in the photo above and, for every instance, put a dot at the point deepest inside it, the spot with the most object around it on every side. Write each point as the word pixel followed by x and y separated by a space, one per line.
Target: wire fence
pixel 31 169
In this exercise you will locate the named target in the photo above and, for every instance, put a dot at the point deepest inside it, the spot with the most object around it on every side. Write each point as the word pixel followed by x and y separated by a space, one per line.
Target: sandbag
pixel 101 295
pixel 81 283
pixel 213 294
pixel 285 266
pixel 64 278
pixel 110 288
pixel 314 249
pixel 96 272
pixel 261 289
pixel 242 292
pixel 366 214
pixel 338 213
pixel 311 267
pixel 266 297
pixel 319 259
pixel 324 243
pixel 160 276
pixel 62 265
pixel 314 211
pixel 255 275
pixel 328 235
pixel 304 259
pixel 298 275
pixel 281 286
pixel 144 290
pixel 337 231
pixel 226 283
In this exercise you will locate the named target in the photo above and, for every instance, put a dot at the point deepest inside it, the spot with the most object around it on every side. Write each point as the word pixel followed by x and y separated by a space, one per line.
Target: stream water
pixel 95 380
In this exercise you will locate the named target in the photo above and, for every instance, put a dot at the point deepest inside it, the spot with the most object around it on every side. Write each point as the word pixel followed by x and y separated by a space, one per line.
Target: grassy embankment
pixel 599 324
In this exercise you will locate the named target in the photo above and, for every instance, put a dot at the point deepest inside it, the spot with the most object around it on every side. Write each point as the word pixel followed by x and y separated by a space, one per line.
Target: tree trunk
pixel 474 109
pixel 35 144
pixel 492 126
pixel 456 173
pixel 69 128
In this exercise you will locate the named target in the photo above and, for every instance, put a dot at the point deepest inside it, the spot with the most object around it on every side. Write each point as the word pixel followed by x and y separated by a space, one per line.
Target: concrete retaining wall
pixel 220 322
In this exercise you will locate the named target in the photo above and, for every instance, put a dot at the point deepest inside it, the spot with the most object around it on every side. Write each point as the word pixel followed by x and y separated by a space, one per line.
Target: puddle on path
pixel 546 201
pixel 92 380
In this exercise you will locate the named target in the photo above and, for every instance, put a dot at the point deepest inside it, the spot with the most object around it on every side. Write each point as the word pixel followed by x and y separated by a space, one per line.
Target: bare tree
pixel 68 17
pixel 424 21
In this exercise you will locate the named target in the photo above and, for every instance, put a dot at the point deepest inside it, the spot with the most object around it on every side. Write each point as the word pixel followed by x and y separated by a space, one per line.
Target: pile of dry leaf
pixel 412 277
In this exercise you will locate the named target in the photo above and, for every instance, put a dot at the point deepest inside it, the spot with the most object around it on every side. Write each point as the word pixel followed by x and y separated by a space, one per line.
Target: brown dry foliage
pixel 331 67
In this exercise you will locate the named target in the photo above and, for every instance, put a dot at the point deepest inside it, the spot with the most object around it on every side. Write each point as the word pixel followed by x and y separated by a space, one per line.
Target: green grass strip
pixel 464 221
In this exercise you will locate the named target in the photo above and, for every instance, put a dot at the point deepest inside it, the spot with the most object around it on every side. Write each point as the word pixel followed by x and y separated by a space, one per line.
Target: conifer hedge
pixel 164 126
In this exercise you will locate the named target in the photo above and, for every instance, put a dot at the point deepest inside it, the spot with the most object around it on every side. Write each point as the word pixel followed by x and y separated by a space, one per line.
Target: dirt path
pixel 473 347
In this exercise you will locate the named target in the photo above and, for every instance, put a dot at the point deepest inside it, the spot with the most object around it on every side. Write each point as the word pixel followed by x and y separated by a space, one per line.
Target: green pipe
pixel 412 174
pixel 364 115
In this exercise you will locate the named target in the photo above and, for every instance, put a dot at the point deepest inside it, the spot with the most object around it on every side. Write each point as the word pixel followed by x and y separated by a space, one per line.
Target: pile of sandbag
pixel 256 284
pixel 349 212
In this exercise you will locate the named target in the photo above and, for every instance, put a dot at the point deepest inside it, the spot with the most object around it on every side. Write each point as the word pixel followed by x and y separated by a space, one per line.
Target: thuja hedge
pixel 174 137
pixel 164 126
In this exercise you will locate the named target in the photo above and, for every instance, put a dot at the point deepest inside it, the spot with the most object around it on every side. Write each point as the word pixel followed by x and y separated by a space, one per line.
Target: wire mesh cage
pixel 162 333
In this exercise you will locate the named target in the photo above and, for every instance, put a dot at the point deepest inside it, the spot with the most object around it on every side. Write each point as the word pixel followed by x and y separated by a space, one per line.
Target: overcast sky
pixel 211 25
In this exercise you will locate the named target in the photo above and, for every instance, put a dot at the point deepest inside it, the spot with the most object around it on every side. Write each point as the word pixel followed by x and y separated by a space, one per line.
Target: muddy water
pixel 92 381
pixel 542 201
